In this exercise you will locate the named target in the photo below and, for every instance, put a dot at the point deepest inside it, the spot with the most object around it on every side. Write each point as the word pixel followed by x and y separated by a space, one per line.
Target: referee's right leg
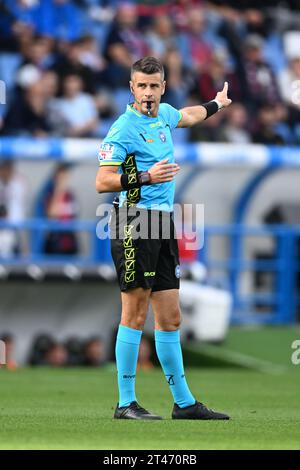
pixel 135 294
pixel 134 311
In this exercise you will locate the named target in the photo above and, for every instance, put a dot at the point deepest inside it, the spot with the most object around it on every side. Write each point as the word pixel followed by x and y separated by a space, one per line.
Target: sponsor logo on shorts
pixel 149 273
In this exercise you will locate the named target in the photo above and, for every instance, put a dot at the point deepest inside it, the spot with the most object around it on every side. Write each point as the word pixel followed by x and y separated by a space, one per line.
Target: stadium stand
pixel 64 68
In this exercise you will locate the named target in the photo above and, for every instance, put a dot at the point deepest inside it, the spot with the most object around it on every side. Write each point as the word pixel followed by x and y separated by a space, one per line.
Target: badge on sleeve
pixel 106 151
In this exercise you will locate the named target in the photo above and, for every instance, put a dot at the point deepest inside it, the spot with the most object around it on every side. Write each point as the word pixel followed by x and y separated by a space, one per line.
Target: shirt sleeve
pixel 171 115
pixel 113 149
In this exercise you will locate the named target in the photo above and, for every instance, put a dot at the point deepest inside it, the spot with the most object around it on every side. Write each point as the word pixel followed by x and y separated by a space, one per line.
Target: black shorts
pixel 144 249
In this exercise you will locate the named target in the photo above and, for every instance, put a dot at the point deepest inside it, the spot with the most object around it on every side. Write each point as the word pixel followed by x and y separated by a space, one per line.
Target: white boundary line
pixel 240 359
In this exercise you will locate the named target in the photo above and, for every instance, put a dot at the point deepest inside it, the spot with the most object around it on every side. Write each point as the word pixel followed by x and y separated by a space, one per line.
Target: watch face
pixel 144 177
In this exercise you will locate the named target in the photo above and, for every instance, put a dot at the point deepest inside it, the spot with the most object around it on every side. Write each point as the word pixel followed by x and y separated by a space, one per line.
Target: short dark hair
pixel 148 65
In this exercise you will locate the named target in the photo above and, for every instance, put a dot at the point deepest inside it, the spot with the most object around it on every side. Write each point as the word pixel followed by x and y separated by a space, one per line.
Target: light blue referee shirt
pixel 135 142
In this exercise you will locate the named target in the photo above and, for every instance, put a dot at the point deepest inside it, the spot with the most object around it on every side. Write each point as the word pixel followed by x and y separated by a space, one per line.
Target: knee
pixel 175 320
pixel 141 313
pixel 172 322
pixel 140 319
pixel 135 318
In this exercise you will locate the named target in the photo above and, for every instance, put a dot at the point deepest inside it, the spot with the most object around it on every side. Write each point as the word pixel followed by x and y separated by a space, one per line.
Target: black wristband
pixel 135 180
pixel 211 108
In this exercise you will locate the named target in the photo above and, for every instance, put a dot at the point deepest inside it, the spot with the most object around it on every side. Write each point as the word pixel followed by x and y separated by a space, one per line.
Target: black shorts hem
pixel 143 285
pixel 159 288
pixel 133 285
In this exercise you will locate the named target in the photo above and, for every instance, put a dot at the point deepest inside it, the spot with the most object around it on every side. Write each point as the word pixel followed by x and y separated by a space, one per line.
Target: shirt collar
pixel 131 109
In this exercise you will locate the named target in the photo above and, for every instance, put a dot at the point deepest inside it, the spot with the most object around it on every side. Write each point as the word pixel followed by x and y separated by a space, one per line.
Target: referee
pixel 137 159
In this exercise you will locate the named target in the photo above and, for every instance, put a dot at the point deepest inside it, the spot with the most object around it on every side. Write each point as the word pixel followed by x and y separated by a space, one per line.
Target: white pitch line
pixel 240 359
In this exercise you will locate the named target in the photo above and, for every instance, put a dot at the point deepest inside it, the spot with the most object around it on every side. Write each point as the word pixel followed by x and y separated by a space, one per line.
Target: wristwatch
pixel 144 177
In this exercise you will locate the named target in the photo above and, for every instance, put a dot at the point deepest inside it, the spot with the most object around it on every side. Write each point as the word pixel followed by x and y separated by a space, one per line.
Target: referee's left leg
pixel 165 304
pixel 167 315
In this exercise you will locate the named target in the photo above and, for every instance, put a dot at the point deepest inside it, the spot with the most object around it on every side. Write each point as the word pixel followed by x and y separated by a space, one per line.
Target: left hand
pixel 222 97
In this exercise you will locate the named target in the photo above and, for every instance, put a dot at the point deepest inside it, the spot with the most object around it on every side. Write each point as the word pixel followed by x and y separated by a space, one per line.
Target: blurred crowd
pixel 74 351
pixel 56 202
pixel 47 351
pixel 66 64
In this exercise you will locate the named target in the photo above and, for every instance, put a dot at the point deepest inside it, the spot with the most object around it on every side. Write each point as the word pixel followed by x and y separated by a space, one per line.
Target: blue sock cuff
pixel 167 336
pixel 129 335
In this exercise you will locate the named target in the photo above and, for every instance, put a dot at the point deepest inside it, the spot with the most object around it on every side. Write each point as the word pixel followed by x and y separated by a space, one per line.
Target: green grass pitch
pixel 73 408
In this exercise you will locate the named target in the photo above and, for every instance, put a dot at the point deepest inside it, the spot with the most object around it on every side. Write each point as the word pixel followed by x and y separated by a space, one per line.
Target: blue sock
pixel 127 350
pixel 169 353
